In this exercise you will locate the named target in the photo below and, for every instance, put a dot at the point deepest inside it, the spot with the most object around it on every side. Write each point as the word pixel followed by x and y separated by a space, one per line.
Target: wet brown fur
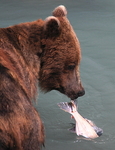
pixel 20 125
pixel 47 51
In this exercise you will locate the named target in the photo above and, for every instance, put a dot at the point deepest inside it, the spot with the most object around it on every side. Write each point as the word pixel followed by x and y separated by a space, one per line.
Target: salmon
pixel 83 126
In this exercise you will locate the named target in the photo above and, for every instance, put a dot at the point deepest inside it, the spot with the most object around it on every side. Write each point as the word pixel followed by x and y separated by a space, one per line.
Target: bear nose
pixel 81 93
pixel 76 95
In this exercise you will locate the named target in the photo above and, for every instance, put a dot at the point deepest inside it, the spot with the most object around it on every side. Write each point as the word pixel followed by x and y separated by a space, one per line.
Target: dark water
pixel 94 23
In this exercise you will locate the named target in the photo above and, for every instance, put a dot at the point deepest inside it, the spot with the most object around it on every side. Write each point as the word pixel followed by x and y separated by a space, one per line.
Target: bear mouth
pixel 70 95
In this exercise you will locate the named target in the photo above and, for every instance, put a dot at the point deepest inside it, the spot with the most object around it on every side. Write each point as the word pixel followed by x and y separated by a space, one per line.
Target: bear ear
pixel 60 11
pixel 52 26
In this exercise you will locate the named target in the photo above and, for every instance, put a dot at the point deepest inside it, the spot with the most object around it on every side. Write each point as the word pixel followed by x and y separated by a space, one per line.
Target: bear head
pixel 61 56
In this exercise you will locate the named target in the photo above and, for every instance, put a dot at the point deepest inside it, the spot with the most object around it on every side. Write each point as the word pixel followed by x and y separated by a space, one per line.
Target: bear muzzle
pixel 74 95
pixel 74 89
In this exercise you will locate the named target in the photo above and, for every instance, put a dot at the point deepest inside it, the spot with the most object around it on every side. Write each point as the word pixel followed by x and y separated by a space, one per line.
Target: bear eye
pixel 71 67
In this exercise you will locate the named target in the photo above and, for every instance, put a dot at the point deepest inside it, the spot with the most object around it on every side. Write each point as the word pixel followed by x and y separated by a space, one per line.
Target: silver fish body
pixel 83 127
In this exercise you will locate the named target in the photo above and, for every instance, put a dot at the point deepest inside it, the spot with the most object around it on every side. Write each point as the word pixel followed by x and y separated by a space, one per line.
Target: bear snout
pixel 74 95
pixel 75 92
pixel 81 93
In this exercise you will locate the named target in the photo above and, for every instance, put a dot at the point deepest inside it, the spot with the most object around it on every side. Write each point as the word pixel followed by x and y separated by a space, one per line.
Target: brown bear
pixel 39 52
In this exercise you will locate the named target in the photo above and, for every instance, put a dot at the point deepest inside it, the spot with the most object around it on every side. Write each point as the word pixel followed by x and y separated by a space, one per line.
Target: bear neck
pixel 21 45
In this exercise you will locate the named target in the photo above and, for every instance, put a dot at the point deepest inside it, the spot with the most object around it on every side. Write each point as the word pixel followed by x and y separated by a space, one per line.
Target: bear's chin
pixel 70 95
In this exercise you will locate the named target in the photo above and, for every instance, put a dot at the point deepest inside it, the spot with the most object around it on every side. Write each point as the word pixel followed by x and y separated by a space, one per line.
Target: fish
pixel 83 126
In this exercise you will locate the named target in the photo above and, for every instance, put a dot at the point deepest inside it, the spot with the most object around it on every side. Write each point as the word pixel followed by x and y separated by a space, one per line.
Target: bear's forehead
pixel 63 52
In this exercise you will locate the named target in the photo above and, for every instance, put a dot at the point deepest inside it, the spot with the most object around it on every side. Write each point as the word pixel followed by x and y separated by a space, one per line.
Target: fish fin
pixel 73 129
pixel 64 106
